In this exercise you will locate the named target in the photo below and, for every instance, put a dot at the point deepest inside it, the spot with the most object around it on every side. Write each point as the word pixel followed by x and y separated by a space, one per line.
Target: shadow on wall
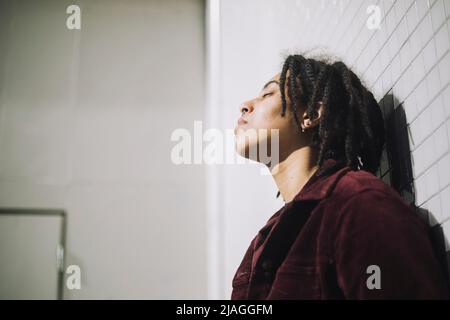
pixel 396 170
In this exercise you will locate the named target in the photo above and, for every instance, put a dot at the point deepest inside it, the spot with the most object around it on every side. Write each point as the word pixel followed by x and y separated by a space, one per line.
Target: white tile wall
pixel 408 57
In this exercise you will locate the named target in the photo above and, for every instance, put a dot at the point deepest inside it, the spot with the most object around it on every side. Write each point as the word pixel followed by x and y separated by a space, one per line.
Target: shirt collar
pixel 322 183
pixel 319 186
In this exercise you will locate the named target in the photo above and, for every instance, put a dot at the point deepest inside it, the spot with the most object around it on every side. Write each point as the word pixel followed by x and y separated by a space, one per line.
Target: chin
pixel 243 149
pixel 246 145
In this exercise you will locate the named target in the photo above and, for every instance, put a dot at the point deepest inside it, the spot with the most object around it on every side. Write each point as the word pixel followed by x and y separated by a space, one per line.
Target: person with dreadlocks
pixel 342 232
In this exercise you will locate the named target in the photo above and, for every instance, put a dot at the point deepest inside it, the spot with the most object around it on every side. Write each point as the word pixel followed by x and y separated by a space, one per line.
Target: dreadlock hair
pixel 351 128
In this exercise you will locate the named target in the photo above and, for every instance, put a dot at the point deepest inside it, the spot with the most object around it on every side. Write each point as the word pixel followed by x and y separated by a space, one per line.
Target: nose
pixel 246 107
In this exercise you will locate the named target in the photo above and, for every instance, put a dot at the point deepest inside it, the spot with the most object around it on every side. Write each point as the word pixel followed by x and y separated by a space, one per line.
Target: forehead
pixel 275 77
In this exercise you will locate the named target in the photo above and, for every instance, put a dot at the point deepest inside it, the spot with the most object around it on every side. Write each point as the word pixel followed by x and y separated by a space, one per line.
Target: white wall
pixel 85 123
pixel 408 58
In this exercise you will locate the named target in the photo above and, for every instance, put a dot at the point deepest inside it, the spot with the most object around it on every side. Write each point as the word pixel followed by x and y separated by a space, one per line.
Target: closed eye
pixel 267 94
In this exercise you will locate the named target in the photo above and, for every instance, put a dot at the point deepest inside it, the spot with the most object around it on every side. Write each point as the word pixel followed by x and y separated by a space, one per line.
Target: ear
pixel 307 122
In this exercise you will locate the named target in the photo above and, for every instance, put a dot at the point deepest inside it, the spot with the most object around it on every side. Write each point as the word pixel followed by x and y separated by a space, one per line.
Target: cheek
pixel 268 116
pixel 271 118
pixel 287 128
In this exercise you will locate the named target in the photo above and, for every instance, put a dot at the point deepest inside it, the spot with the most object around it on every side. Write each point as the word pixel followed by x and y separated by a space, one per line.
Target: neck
pixel 294 171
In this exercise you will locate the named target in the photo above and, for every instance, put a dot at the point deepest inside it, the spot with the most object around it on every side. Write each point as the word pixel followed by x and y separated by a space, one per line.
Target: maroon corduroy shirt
pixel 326 243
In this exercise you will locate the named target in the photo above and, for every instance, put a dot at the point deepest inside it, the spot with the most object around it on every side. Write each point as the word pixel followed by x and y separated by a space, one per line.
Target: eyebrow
pixel 270 82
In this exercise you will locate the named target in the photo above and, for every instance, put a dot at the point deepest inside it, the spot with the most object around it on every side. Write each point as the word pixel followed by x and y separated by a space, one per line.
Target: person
pixel 342 232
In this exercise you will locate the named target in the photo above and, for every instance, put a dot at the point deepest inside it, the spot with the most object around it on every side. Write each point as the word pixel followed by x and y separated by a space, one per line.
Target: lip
pixel 240 124
pixel 241 121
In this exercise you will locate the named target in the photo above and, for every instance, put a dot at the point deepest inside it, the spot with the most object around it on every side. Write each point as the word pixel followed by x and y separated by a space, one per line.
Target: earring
pixel 303 129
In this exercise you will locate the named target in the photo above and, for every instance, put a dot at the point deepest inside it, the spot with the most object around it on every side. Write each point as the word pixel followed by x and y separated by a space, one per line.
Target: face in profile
pixel 259 116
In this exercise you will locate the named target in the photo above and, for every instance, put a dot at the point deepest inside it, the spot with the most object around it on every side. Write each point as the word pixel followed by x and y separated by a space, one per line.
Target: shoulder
pixel 359 185
pixel 356 182
pixel 360 195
